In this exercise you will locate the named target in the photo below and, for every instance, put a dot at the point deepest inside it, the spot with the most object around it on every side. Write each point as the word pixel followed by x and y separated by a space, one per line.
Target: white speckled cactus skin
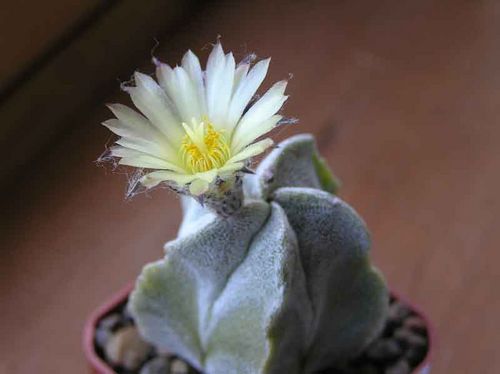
pixel 285 285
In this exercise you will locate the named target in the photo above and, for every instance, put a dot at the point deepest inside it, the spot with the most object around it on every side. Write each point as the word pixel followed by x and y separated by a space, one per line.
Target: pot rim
pixel 96 363
pixel 101 367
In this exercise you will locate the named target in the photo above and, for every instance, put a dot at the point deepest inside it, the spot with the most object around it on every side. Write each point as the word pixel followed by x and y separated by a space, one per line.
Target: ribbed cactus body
pixel 284 285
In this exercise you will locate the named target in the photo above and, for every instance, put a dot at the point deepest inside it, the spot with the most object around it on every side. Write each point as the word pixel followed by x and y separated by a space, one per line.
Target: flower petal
pixel 247 135
pixel 252 150
pixel 164 73
pixel 191 64
pixel 146 162
pixel 229 169
pixel 152 101
pixel 208 175
pixel 141 145
pixel 231 166
pixel 215 67
pixel 219 85
pixel 132 124
pixel 181 90
pixel 132 157
pixel 198 187
pixel 156 177
pixel 203 179
pixel 132 137
pixel 135 127
pixel 202 182
pixel 261 111
pixel 245 91
pixel 240 73
pixel 121 129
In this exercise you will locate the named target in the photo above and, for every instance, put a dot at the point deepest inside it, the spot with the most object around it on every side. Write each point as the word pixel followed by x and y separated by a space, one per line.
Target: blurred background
pixel 403 95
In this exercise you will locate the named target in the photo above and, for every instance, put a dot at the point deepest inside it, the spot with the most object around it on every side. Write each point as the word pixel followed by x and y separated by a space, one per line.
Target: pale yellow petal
pixel 239 74
pixel 156 177
pixel 246 90
pixel 153 102
pixel 252 150
pixel 208 175
pixel 202 182
pixel 134 140
pixel 198 182
pixel 181 90
pixel 191 64
pixel 246 135
pixel 143 146
pixel 139 159
pixel 264 108
pixel 215 68
pixel 132 124
pixel 229 169
pixel 198 187
pixel 219 85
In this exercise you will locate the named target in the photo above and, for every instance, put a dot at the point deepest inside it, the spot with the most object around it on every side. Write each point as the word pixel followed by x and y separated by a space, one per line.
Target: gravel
pixel 401 347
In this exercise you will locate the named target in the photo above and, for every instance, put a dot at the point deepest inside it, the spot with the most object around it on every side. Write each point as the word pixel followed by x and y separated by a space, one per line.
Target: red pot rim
pixel 96 363
pixel 100 367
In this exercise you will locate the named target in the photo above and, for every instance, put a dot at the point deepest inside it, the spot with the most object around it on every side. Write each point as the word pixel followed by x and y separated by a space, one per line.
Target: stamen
pixel 203 148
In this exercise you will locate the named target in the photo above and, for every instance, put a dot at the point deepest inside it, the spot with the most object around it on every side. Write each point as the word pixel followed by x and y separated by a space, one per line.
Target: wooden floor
pixel 404 97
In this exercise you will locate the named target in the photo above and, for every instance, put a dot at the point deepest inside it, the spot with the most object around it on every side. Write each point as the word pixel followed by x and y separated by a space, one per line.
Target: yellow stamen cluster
pixel 203 148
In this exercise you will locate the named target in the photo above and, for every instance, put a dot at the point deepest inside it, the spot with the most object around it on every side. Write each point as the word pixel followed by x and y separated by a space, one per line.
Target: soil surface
pixel 400 348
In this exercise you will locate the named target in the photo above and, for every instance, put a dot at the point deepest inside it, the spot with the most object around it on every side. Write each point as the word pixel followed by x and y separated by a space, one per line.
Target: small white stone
pixel 178 367
pixel 126 348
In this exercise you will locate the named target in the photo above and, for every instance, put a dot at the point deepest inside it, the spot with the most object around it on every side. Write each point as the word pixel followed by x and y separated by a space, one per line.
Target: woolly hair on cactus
pixel 283 286
pixel 270 272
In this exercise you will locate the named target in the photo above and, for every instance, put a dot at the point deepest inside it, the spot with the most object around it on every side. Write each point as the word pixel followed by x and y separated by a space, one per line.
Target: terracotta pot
pixel 98 366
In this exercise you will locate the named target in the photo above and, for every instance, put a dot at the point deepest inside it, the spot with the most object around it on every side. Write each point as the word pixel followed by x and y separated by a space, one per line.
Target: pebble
pixel 105 329
pixel 125 348
pixel 178 367
pixel 102 337
pixel 402 346
pixel 400 367
pixel 110 322
pixel 383 350
pixel 415 355
pixel 415 324
pixel 409 338
pixel 398 312
pixel 158 365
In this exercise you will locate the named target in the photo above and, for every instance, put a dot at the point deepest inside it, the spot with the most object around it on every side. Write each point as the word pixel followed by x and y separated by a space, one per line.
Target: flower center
pixel 203 148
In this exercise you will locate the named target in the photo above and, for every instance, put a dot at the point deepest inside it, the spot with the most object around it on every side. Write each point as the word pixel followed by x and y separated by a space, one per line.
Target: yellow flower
pixel 195 125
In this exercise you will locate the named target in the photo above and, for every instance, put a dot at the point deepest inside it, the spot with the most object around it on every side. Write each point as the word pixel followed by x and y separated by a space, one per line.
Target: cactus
pixel 283 285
